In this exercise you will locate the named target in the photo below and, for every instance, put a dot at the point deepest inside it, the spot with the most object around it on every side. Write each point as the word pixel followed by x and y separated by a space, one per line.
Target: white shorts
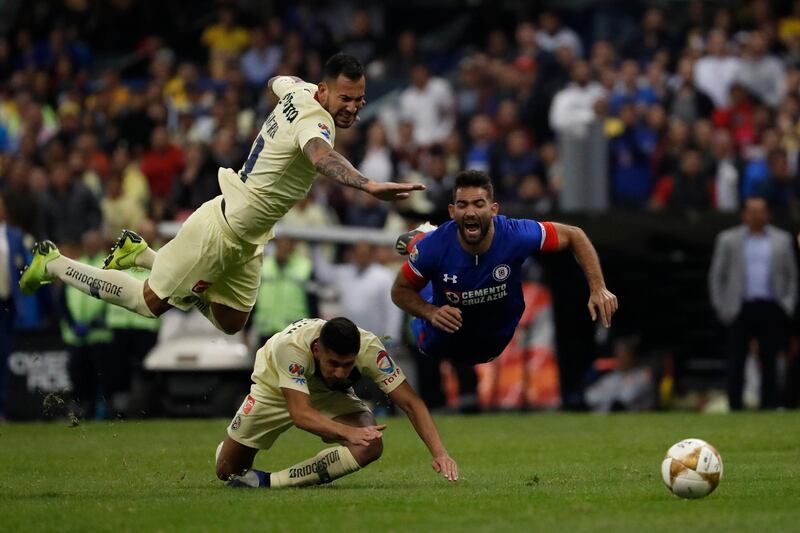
pixel 262 418
pixel 207 261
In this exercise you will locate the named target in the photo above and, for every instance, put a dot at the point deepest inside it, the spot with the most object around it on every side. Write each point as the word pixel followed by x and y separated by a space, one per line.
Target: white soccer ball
pixel 692 468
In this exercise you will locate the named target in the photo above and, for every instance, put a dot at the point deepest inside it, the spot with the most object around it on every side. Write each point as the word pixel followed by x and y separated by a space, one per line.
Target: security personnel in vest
pixel 133 338
pixel 84 331
pixel 283 296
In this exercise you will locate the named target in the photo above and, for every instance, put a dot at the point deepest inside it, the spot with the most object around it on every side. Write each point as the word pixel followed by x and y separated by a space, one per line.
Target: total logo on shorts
pixel 384 362
pixel 501 272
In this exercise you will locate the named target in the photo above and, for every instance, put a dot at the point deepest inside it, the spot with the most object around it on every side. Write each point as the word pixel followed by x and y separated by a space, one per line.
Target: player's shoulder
pixel 369 347
pixel 443 232
pixel 437 240
pixel 373 353
pixel 368 339
pixel 305 90
pixel 300 331
pixel 286 84
pixel 516 225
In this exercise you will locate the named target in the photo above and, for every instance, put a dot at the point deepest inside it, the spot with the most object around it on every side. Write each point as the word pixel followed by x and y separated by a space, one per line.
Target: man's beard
pixel 343 119
pixel 484 227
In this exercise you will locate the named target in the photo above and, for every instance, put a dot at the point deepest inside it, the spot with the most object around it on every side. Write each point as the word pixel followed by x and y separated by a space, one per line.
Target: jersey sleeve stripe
pixel 413 276
pixel 549 237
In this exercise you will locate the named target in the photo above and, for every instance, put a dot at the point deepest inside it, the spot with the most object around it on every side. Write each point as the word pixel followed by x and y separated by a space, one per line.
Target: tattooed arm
pixel 336 167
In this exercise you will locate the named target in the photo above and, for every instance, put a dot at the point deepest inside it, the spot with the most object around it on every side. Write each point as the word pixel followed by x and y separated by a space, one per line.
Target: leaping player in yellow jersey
pixel 214 262
pixel 303 377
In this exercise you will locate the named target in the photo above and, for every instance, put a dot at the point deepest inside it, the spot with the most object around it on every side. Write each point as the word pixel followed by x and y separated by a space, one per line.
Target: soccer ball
pixel 692 468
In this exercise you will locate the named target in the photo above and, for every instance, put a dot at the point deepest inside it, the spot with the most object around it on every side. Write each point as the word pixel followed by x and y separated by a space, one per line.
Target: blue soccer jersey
pixel 486 287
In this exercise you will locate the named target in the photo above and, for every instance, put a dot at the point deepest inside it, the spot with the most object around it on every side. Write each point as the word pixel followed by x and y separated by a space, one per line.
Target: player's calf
pixel 110 286
pixel 233 459
pixel 363 455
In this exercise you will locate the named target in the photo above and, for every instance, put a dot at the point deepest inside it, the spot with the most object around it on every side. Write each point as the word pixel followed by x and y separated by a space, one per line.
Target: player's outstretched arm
pixel 336 167
pixel 406 297
pixel 601 301
pixel 406 399
pixel 309 419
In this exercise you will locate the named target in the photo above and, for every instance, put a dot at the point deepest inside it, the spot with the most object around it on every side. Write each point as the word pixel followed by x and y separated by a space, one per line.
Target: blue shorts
pixel 439 344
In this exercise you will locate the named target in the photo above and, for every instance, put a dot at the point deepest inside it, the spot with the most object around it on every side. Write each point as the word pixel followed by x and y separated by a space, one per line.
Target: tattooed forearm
pixel 337 168
pixel 333 165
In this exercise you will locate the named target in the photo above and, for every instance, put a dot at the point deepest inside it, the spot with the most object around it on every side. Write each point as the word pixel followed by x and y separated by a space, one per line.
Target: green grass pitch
pixel 540 472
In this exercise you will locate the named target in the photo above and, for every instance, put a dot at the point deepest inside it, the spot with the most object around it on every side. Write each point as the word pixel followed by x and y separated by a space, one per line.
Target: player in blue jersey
pixel 462 279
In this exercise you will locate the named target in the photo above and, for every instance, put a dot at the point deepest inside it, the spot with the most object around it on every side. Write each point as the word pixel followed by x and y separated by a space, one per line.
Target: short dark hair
pixel 473 178
pixel 340 336
pixel 345 65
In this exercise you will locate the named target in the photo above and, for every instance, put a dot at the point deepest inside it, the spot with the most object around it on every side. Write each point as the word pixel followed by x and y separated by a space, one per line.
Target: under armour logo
pixel 451 279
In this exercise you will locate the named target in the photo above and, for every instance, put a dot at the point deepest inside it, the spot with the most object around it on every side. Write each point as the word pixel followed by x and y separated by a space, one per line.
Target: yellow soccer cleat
pixel 125 250
pixel 35 275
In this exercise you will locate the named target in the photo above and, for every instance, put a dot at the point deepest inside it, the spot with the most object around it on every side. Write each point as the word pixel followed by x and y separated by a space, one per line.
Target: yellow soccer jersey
pixel 276 174
pixel 286 361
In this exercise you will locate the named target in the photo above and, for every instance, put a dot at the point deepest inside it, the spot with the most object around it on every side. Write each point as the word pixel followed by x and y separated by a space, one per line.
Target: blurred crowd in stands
pixel 695 113
pixel 118 115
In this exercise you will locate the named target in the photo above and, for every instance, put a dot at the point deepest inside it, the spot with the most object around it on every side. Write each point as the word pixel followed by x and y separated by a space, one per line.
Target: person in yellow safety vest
pixel 84 331
pixel 283 296
pixel 133 338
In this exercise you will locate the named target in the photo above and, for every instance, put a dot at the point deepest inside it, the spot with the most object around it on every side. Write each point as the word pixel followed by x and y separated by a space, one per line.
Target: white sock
pixel 146 259
pixel 111 286
pixel 327 465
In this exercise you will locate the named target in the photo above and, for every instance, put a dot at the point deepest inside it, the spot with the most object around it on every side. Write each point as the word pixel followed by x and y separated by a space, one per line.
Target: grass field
pixel 546 472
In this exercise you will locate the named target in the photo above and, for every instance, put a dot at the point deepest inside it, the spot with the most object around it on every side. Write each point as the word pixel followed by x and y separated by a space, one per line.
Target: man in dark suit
pixel 753 285
pixel 13 258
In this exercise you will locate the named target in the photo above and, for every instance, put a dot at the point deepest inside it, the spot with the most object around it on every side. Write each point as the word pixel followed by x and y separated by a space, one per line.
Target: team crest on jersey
pixel 248 404
pixel 501 272
pixel 297 370
pixel 324 130
pixel 384 362
pixel 453 297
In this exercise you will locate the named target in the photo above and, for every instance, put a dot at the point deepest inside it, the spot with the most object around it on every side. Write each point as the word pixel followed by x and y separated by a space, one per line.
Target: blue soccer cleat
pixel 252 479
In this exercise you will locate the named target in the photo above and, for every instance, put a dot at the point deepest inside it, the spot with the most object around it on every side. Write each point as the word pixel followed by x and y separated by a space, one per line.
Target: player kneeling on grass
pixel 303 376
